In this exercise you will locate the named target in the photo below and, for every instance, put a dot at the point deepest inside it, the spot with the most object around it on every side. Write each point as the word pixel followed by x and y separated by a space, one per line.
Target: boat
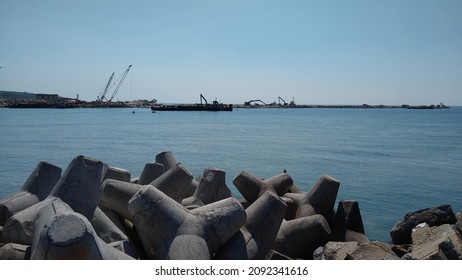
pixel 214 107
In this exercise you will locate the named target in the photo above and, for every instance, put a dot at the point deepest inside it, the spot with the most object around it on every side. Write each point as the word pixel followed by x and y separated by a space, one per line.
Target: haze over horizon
pixel 315 52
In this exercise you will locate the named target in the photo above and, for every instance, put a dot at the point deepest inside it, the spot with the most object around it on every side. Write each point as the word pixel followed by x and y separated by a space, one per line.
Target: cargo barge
pixel 214 107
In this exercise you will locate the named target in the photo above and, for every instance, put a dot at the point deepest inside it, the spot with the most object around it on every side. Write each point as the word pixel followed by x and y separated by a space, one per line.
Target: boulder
pixel 374 250
pixel 438 242
pixel 335 250
pixel 435 216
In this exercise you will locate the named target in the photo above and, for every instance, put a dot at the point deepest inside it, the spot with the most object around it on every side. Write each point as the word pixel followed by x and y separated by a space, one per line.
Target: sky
pixel 389 52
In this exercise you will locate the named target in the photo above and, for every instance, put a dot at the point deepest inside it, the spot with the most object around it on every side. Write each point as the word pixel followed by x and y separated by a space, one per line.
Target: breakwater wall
pixel 95 211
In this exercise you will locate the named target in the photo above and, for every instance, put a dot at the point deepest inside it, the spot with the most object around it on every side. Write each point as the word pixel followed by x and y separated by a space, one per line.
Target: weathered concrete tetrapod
pixel 299 238
pixel 320 198
pixel 115 196
pixel 60 234
pixel 252 187
pixel 116 173
pixel 256 238
pixel 151 171
pixel 176 183
pixel 347 217
pixel 36 188
pixel 167 159
pixel 169 231
pixel 105 228
pixel 13 251
pixel 78 187
pixel 212 187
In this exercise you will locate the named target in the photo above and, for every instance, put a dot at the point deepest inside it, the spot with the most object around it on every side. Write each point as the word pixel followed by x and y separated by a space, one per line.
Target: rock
pixel 273 255
pixel 151 171
pixel 335 250
pixel 374 250
pixel 169 231
pixel 252 187
pixel 12 251
pixel 212 187
pixel 438 242
pixel 36 188
pixel 299 238
pixel 351 235
pixel 256 238
pixel 401 231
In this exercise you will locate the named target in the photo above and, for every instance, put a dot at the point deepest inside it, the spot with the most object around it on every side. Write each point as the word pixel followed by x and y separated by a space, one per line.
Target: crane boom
pixel 120 83
pixel 102 95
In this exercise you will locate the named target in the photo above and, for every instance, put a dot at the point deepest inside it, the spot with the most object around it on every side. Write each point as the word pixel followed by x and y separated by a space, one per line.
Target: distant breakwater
pixel 95 211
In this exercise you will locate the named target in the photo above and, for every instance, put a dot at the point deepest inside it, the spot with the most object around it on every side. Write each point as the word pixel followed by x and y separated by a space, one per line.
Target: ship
pixel 202 106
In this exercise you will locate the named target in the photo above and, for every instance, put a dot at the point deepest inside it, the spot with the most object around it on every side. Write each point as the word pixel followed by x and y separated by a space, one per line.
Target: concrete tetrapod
pixel 169 231
pixel 176 183
pixel 36 188
pixel 256 238
pixel 212 187
pixel 151 171
pixel 252 187
pixel 115 196
pixel 348 223
pixel 320 199
pixel 167 159
pixel 299 238
pixel 62 234
pixel 78 187
pixel 106 229
pixel 116 173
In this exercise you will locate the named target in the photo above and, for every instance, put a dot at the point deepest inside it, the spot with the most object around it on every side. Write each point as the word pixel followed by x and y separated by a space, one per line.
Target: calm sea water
pixel 392 161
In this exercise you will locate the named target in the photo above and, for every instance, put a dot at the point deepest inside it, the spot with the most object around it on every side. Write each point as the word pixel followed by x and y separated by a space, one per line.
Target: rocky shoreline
pixel 95 211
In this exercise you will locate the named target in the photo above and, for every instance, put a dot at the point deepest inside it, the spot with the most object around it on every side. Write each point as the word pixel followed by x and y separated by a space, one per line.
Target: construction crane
pixel 280 99
pixel 102 95
pixel 120 83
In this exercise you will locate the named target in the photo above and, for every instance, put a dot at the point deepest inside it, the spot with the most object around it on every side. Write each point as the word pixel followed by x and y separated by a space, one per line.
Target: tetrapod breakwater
pixel 95 211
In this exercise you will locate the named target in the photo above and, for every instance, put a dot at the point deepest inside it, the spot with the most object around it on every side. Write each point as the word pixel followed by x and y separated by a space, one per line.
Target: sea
pixel 391 161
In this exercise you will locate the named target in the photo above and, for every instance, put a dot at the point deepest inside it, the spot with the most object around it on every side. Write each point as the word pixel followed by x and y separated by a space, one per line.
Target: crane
pixel 102 95
pixel 280 99
pixel 120 83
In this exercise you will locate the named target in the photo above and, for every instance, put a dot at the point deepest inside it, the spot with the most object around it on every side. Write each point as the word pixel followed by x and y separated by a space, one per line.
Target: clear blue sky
pixel 317 52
